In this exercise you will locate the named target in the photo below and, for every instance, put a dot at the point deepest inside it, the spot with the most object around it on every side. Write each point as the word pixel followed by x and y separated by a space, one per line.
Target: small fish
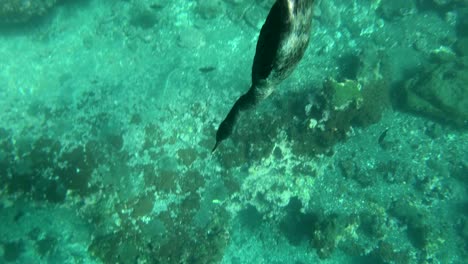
pixel 207 69
pixel 382 138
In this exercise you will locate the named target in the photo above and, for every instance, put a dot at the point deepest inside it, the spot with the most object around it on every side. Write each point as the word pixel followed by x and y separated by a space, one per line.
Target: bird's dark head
pixel 224 131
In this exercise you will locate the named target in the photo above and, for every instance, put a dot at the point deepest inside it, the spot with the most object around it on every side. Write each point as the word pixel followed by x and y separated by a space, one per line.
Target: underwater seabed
pixel 109 114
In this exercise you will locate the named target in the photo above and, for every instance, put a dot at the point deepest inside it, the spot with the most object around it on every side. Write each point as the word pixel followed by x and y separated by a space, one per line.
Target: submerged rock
pixel 20 11
pixel 440 93
pixel 210 9
pixel 394 9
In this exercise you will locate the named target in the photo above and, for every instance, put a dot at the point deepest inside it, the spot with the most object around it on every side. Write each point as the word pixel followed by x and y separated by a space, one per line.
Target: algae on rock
pixel 343 93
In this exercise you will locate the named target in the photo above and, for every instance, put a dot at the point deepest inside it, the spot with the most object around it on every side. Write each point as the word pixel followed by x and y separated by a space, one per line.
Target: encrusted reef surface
pixel 20 11
pixel 109 111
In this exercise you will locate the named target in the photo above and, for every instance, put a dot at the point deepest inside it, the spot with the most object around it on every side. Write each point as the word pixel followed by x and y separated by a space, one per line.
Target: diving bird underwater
pixel 283 39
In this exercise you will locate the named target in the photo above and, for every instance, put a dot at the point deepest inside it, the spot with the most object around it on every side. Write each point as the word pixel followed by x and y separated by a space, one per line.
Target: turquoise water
pixel 109 111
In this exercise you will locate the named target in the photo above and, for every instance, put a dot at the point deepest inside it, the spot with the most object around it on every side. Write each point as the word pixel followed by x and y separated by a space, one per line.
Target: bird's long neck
pixel 245 102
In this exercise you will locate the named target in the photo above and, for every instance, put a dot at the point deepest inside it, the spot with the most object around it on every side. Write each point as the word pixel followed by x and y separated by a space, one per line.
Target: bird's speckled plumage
pixel 283 40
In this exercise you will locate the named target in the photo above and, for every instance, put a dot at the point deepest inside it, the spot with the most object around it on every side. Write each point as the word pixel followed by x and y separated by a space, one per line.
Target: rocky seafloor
pixel 110 109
